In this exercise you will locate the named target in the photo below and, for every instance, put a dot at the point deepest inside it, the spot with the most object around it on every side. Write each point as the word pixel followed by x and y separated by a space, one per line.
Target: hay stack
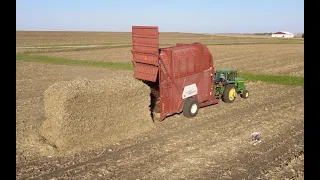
pixel 83 114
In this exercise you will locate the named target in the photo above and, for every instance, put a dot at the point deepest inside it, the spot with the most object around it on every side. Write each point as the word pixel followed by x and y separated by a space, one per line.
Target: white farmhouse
pixel 282 34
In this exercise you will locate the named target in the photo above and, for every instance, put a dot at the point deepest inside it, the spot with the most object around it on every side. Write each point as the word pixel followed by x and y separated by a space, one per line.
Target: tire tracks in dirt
pixel 150 145
pixel 251 165
pixel 207 146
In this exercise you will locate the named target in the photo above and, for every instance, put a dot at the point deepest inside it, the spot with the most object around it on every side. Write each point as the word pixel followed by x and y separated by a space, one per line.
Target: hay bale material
pixel 84 114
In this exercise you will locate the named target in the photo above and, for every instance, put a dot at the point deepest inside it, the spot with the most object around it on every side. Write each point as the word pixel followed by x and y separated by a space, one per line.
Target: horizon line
pixel 130 31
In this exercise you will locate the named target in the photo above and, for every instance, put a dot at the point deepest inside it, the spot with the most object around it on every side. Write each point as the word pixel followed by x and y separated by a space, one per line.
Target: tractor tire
pixel 229 93
pixel 190 107
pixel 245 94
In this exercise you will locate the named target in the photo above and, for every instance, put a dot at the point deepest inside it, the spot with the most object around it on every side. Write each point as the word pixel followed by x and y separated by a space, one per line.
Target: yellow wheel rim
pixel 247 94
pixel 232 94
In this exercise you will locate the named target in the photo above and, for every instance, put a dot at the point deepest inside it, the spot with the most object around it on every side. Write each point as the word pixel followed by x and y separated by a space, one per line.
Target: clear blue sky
pixel 199 16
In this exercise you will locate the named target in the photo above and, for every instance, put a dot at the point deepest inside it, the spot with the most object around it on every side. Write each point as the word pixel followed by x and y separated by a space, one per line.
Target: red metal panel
pixel 146 72
pixel 145 52
pixel 145 39
pixel 145 49
pixel 207 62
pixel 186 61
pixel 146 58
pixel 178 66
pixel 165 100
pixel 181 66
pixel 204 85
pixel 165 63
pixel 151 31
pixel 279 32
pixel 168 88
pixel 181 44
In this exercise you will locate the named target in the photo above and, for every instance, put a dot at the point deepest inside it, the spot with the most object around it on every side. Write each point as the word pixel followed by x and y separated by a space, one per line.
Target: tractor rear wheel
pixel 245 94
pixel 190 107
pixel 229 93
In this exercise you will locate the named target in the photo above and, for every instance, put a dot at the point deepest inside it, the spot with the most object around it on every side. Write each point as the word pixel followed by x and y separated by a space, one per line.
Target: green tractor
pixel 227 85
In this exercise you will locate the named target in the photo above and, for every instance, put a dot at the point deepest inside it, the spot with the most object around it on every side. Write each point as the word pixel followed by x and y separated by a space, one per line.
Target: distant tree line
pixel 267 33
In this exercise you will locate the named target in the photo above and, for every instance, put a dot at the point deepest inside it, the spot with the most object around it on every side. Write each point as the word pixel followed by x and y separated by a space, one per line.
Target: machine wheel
pixel 229 93
pixel 245 94
pixel 190 107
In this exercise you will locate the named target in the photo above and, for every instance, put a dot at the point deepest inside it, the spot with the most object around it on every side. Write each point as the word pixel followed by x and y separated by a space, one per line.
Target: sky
pixel 194 16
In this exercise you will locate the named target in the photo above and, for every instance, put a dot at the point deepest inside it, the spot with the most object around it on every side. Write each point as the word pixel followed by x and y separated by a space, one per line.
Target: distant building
pixel 282 34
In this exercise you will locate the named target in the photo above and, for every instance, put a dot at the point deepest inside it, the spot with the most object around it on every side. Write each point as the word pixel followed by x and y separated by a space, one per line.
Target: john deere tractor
pixel 227 85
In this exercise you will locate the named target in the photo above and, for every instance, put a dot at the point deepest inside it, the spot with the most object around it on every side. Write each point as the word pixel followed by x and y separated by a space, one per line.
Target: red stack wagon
pixel 180 77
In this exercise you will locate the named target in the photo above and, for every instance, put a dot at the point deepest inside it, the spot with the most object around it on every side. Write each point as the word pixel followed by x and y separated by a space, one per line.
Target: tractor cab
pixel 225 76
pixel 228 75
pixel 228 85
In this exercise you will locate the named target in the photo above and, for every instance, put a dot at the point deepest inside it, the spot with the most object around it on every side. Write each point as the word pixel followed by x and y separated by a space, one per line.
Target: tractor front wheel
pixel 190 107
pixel 229 93
pixel 245 94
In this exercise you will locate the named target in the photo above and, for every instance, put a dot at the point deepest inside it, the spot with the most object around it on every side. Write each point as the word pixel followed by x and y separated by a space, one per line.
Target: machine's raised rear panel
pixel 145 51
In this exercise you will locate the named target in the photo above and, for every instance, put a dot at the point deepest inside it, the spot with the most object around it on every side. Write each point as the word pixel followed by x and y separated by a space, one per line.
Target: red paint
pixel 279 32
pixel 175 67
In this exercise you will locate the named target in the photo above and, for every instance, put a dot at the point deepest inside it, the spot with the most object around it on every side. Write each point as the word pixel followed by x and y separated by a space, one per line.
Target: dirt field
pixel 213 145
pixel 34 38
pixel 279 59
pixel 65 130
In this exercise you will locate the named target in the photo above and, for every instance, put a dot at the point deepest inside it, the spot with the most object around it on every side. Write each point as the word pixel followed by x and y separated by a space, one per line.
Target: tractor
pixel 227 85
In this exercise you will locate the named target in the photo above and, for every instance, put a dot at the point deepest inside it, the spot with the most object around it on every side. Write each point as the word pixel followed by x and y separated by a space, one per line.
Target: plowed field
pixel 213 145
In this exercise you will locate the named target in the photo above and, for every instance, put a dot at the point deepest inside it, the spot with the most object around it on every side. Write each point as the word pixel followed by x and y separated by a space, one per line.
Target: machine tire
pixel 245 94
pixel 190 107
pixel 229 94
